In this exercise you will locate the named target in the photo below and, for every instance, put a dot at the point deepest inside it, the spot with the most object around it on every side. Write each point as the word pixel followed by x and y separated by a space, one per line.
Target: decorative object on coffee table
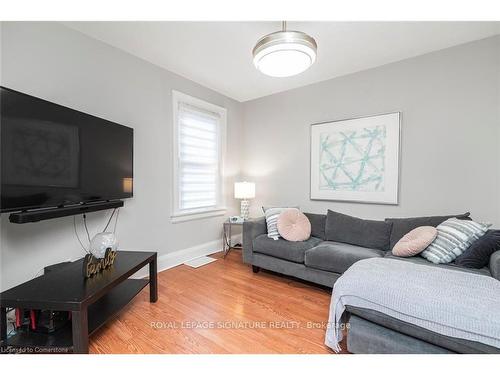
pixel 92 265
pixel 356 160
pixel 244 191
pixel 102 253
pixel 101 242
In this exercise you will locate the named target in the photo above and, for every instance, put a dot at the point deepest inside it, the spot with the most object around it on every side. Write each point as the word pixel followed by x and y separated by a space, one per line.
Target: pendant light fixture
pixel 284 53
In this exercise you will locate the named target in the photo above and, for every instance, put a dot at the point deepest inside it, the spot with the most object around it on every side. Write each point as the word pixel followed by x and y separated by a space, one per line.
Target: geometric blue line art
pixel 353 160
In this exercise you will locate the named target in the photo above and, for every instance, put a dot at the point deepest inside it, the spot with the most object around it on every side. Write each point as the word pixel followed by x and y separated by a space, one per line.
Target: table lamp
pixel 244 191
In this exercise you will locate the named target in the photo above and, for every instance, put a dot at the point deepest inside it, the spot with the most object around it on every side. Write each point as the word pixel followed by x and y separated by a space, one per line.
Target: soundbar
pixel 52 213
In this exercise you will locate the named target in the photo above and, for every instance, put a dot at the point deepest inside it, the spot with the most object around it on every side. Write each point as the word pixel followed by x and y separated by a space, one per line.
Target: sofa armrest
pixel 251 229
pixel 495 264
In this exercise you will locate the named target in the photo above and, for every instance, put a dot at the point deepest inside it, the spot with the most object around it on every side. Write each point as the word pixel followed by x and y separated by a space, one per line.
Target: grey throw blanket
pixel 450 302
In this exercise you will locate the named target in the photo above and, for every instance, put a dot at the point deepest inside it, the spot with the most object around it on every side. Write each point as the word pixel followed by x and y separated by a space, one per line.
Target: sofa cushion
pixel 419 260
pixel 415 241
pixel 494 265
pixel 366 337
pixel 451 343
pixel 338 257
pixel 356 231
pixel 293 225
pixel 318 222
pixel 272 215
pixel 478 254
pixel 401 226
pixel 454 237
pixel 292 251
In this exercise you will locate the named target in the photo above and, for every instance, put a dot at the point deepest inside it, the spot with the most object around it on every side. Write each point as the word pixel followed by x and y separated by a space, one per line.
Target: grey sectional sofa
pixel 321 261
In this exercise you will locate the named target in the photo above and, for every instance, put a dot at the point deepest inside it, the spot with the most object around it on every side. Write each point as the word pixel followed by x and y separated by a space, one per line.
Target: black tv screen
pixel 55 156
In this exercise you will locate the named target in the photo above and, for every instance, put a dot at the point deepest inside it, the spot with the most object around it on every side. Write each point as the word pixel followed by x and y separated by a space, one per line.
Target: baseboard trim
pixel 179 257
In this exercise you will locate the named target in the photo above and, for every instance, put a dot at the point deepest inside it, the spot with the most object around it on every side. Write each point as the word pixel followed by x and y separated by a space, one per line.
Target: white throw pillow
pixel 272 214
pixel 453 238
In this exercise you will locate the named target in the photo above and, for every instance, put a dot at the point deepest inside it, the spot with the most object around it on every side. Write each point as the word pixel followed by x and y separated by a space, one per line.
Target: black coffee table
pixel 92 302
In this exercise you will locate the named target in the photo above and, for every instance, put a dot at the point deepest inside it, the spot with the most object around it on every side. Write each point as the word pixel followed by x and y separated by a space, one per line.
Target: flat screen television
pixel 54 156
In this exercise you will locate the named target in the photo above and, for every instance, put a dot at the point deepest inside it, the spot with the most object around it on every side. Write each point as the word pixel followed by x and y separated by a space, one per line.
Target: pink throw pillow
pixel 293 225
pixel 415 241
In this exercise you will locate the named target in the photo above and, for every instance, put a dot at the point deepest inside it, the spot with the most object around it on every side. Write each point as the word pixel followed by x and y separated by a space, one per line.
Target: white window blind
pixel 199 137
pixel 198 158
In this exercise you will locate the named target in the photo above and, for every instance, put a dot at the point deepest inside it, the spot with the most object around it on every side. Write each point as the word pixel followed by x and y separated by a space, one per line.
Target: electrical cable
pixel 77 236
pixel 109 221
pixel 37 273
pixel 86 229
pixel 116 220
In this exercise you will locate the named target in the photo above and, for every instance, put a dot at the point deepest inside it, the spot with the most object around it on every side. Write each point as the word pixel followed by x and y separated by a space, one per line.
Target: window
pixel 199 144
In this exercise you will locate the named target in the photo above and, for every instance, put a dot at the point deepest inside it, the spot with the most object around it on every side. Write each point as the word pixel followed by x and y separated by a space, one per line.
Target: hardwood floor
pixel 222 307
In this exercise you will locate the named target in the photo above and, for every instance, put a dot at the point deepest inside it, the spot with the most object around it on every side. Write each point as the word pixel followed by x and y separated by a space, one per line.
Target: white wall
pixel 56 63
pixel 450 133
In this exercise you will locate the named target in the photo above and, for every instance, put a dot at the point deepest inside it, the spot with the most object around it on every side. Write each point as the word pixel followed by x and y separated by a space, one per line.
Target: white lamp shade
pixel 284 53
pixel 285 60
pixel 244 190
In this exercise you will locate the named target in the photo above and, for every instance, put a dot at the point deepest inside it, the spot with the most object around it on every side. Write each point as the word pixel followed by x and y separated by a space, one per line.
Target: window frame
pixel 178 215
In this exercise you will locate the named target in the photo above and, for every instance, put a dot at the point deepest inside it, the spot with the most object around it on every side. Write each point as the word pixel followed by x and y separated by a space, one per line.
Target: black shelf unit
pixel 92 302
pixel 33 216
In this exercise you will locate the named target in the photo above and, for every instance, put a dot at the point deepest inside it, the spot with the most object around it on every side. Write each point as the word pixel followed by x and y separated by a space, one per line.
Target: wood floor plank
pixel 221 308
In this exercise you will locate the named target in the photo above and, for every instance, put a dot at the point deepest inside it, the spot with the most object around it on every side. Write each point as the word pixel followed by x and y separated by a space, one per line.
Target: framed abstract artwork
pixel 356 160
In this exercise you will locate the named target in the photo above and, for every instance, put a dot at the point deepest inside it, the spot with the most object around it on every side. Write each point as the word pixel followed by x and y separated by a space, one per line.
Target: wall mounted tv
pixel 54 156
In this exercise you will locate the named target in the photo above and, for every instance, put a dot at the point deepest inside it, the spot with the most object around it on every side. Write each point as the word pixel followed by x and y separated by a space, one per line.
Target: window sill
pixel 195 215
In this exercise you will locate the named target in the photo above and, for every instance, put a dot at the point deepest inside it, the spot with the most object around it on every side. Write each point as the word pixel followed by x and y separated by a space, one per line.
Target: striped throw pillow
pixel 453 238
pixel 272 214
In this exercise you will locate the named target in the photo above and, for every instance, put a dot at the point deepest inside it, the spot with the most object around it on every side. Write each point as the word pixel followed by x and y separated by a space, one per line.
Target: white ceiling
pixel 218 55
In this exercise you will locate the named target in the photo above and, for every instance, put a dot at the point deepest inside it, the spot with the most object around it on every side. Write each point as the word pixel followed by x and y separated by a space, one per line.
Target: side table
pixel 227 228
